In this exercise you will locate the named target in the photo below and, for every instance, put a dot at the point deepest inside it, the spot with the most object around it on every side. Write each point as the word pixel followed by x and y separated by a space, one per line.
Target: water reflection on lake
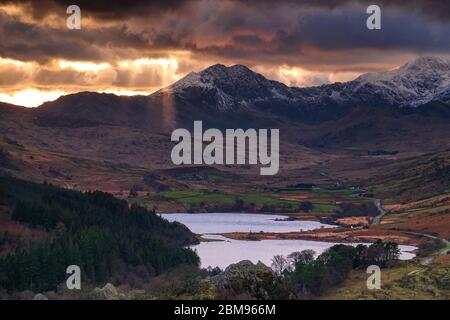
pixel 223 253
pixel 204 223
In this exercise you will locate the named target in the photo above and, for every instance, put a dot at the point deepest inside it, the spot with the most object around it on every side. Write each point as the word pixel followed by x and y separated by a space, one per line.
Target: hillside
pixel 124 139
pixel 416 194
pixel 415 178
pixel 48 228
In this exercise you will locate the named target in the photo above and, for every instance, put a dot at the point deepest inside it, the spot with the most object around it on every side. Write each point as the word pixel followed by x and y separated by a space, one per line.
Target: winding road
pixel 429 236
pixel 377 219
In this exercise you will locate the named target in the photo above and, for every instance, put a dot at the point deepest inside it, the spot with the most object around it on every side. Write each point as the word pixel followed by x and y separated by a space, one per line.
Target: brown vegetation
pixel 332 235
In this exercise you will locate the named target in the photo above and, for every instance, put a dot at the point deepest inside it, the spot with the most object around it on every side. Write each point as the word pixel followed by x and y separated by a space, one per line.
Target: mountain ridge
pixel 236 97
pixel 413 84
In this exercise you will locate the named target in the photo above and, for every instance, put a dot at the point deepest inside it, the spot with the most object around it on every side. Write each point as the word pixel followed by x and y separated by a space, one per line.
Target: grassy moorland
pixel 406 281
pixel 223 201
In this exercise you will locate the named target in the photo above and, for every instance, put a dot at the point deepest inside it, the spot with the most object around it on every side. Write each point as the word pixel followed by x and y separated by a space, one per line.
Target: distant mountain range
pixel 237 89
pixel 238 97
pixel 406 110
pixel 422 81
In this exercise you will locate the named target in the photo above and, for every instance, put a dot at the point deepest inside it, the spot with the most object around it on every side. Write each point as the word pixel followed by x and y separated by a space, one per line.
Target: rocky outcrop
pixel 246 280
pixel 108 292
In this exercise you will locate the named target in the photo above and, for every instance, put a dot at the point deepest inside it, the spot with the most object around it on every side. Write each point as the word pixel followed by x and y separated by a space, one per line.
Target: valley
pixel 361 161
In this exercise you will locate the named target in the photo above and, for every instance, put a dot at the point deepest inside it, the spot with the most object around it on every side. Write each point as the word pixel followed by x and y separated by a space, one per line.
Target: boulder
pixel 40 296
pixel 108 292
pixel 250 281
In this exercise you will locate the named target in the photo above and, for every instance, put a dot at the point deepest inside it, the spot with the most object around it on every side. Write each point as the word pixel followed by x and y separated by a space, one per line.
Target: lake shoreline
pixel 330 235
pixel 227 238
pixel 335 234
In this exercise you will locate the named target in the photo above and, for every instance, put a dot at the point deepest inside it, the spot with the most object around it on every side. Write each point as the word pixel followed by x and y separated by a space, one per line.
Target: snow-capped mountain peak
pixel 424 64
pixel 222 77
pixel 414 83
pixel 234 85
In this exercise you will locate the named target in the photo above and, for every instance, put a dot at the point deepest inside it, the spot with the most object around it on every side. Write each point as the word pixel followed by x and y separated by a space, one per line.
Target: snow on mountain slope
pixel 234 80
pixel 231 85
pixel 413 84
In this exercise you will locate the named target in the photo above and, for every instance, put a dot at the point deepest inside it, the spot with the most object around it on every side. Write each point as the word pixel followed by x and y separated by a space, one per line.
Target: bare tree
pixel 279 264
pixel 304 256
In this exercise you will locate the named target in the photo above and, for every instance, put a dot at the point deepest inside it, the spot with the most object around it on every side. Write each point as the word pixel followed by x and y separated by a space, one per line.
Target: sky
pixel 138 47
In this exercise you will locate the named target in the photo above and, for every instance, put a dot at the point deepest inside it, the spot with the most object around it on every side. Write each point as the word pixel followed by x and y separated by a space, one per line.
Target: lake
pixel 213 223
pixel 228 251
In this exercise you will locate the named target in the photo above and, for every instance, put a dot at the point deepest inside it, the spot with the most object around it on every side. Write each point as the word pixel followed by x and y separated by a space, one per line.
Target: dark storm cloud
pixel 103 9
pixel 25 42
pixel 340 31
pixel 307 33
pixel 337 32
pixel 439 9
pixel 266 31
pixel 39 42
pixel 249 40
pixel 107 9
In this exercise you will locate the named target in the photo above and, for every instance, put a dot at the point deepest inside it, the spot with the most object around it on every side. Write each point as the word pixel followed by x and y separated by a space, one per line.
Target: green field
pixel 324 207
pixel 190 197
pixel 343 191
